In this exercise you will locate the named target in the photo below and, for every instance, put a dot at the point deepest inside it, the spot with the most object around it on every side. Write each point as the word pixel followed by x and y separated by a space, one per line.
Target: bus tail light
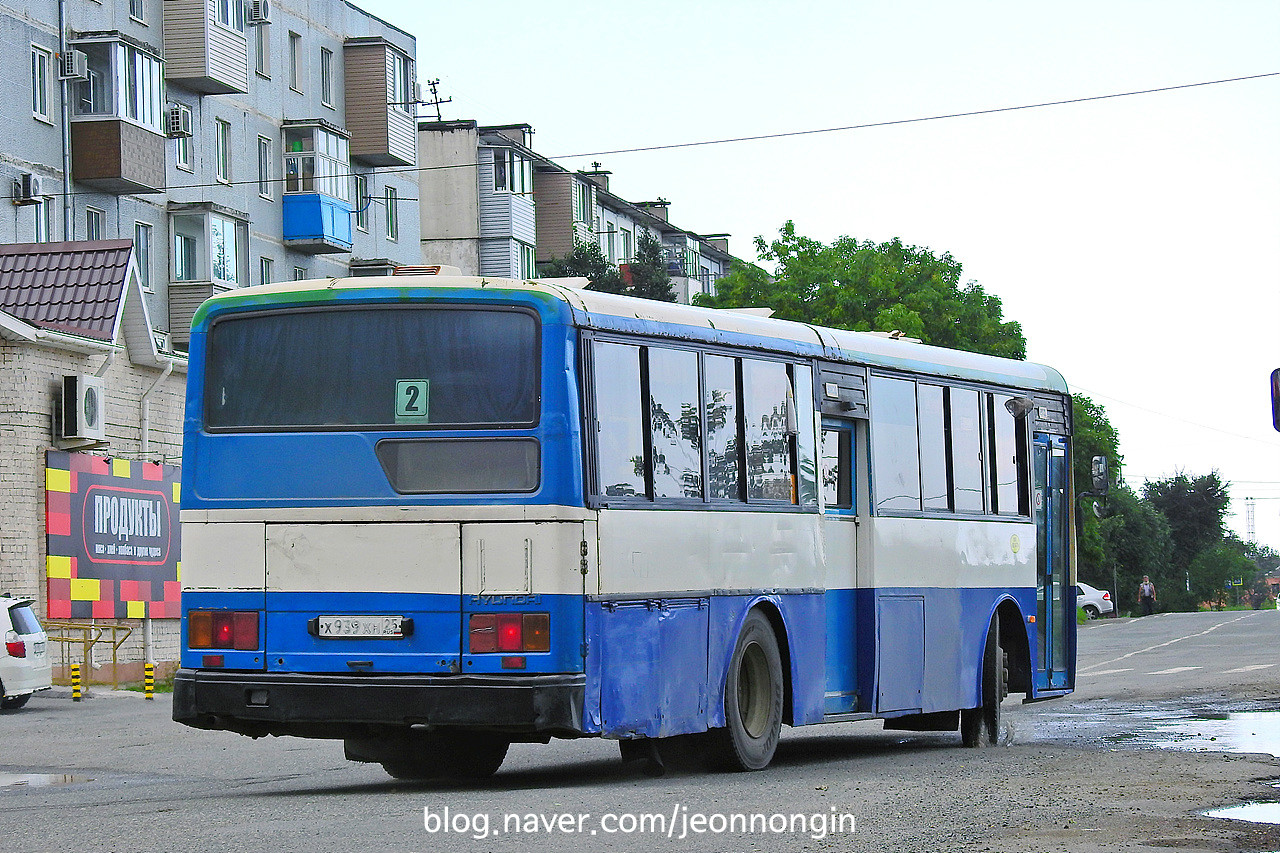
pixel 509 632
pixel 222 629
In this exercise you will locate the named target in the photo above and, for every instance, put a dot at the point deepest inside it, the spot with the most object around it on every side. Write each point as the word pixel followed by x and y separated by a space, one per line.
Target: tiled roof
pixel 67 287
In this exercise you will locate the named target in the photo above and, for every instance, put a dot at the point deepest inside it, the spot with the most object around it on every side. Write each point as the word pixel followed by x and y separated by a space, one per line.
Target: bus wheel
pixel 752 700
pixel 984 726
pixel 452 755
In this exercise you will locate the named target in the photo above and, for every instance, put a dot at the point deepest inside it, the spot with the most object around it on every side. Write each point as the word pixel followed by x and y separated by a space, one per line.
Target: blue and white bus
pixel 433 515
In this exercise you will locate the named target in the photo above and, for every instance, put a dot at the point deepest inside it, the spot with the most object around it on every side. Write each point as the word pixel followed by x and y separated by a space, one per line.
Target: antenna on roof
pixel 435 101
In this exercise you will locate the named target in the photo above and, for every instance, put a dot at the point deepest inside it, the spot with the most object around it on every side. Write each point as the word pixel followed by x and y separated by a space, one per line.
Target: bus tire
pixel 453 755
pixel 13 703
pixel 752 700
pixel 984 726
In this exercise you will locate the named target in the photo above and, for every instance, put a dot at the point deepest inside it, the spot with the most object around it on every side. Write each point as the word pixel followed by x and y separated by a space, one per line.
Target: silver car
pixel 1094 602
pixel 25 664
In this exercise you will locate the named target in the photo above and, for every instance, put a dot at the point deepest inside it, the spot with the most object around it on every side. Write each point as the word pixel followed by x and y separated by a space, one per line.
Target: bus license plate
pixel 373 627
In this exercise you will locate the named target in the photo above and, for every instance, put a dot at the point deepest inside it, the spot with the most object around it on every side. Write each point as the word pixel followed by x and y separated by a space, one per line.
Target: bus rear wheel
pixel 450 755
pixel 752 700
pixel 984 726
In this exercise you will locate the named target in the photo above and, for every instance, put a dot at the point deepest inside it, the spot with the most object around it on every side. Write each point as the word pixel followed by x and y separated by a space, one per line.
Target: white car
pixel 1095 602
pixel 25 663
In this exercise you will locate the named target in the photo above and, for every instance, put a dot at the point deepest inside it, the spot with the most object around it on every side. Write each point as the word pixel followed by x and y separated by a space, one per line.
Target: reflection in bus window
pixel 764 404
pixel 675 419
pixel 966 450
pixel 721 402
pixel 933 447
pixel 619 421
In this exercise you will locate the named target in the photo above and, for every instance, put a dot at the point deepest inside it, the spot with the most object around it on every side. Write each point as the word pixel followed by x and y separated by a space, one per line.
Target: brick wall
pixel 30 383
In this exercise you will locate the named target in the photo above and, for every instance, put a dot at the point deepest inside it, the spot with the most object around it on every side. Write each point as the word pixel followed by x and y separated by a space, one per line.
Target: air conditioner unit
pixel 27 189
pixel 75 65
pixel 178 121
pixel 163 342
pixel 259 12
pixel 83 408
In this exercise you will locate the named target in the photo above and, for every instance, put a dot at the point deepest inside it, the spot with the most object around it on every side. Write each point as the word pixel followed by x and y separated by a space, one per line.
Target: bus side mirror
pixel 1275 398
pixel 1101 477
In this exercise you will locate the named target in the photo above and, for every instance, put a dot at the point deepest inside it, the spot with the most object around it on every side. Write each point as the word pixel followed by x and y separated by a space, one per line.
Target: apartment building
pixel 160 151
pixel 493 206
pixel 234 142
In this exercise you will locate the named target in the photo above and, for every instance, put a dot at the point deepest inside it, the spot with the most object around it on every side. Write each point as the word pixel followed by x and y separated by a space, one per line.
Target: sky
pixel 1136 239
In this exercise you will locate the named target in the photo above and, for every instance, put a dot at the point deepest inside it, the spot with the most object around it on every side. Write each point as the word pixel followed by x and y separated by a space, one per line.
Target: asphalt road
pixel 1127 762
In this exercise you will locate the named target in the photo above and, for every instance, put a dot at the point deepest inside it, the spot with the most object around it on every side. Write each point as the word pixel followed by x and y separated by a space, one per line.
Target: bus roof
pixel 611 312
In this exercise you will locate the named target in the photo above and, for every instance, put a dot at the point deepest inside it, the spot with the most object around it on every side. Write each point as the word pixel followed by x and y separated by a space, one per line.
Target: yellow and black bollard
pixel 75 682
pixel 149 680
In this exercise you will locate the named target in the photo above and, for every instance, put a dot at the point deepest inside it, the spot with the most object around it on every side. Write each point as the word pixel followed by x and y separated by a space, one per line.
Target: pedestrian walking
pixel 1147 596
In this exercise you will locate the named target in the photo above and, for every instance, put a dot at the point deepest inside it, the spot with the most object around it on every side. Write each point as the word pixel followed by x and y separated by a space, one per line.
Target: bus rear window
pixel 407 368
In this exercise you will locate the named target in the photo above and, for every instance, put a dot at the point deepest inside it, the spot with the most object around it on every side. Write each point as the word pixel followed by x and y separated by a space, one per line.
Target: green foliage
pixel 1136 541
pixel 1210 570
pixel 1093 436
pixel 867 286
pixel 588 261
pixel 1196 509
pixel 649 276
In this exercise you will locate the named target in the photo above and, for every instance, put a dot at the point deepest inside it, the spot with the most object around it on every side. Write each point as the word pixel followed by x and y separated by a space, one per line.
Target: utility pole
pixel 1250 506
pixel 435 101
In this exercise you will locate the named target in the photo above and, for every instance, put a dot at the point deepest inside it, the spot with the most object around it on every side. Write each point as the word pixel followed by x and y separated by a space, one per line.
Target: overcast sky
pixel 1136 239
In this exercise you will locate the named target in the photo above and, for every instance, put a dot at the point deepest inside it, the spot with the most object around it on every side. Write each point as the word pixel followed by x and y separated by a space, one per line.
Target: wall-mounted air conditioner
pixel 28 189
pixel 74 66
pixel 178 121
pixel 84 408
pixel 259 12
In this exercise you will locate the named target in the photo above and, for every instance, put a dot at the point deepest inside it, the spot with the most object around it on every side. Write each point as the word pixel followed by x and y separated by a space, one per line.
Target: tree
pixel 1215 566
pixel 1136 541
pixel 1196 509
pixel 648 274
pixel 588 261
pixel 867 286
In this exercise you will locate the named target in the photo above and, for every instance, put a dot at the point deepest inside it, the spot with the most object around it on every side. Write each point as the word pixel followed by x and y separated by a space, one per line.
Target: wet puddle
pixel 1164 728
pixel 39 780
pixel 1251 812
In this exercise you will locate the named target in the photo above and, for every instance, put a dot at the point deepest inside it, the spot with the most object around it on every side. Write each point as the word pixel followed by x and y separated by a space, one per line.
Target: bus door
pixel 837 467
pixel 1054 605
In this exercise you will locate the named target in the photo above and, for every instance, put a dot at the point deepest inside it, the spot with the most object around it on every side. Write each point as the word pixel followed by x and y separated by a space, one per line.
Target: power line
pixel 1272 443
pixel 759 137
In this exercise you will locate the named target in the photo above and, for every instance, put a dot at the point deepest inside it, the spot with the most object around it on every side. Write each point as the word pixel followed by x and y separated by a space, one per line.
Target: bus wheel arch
pixel 1013 639
pixel 753 697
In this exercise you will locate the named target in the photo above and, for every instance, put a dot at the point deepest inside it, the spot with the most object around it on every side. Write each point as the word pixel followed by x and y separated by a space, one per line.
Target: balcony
pixel 205 48
pixel 117 156
pixel 317 189
pixel 378 80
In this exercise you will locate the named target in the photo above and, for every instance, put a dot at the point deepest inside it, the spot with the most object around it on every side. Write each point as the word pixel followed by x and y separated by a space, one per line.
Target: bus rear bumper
pixel 530 707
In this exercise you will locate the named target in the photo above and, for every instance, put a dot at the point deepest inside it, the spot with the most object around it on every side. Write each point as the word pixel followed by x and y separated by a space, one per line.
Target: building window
pixel 182 153
pixel 142 251
pixel 611 244
pixel 326 77
pixel 299 273
pixel 184 258
pixel 628 244
pixel 511 172
pixel 398 84
pixel 581 202
pixel 222 150
pixel 317 160
pixel 41 60
pixel 229 13
pixel 528 264
pixel 124 82
pixel 362 201
pixel 264 167
pixel 266 268
pixel 295 58
pixel 137 9
pixel 262 40
pixel 44 220
pixel 393 215
pixel 92 223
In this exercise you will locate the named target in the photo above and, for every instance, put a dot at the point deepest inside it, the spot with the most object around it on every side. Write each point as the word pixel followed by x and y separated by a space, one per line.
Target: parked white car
pixel 1096 602
pixel 25 663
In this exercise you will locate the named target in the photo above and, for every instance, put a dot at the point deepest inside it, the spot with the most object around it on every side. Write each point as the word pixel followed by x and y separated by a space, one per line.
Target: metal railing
pixel 87 635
